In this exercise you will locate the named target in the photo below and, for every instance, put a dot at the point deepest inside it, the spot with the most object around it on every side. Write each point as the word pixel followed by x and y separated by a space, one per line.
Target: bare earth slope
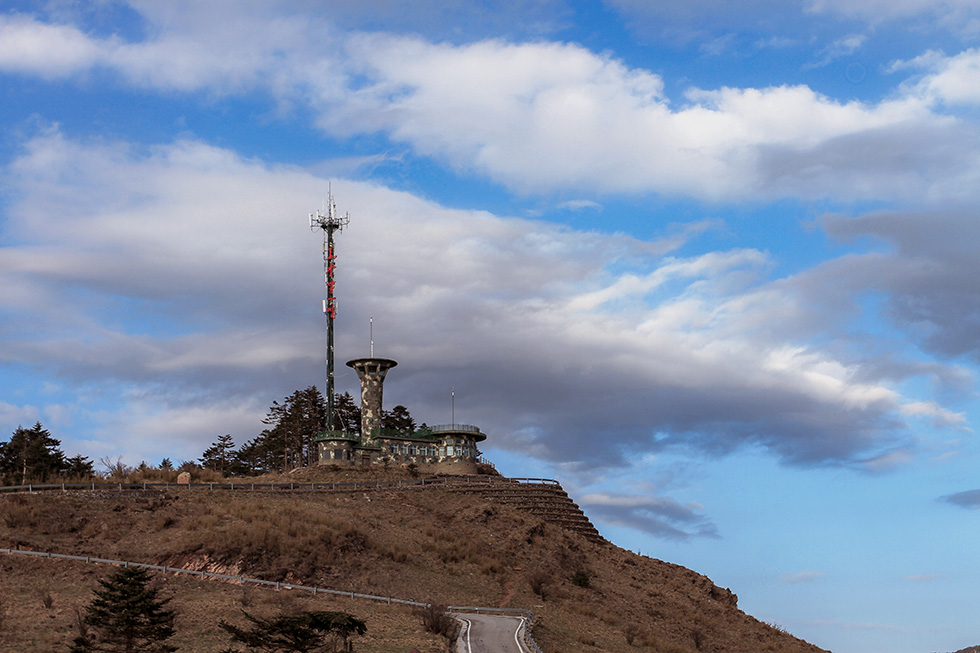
pixel 432 544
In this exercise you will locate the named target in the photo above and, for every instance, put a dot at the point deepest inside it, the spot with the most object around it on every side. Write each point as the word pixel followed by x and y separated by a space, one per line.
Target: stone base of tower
pixel 447 449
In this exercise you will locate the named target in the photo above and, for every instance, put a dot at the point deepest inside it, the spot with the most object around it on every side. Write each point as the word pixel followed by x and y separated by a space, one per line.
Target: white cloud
pixel 940 416
pixel 660 516
pixel 542 116
pixel 801 577
pixel 580 205
pixel 12 416
pixel 955 80
pixel 839 48
pixel 50 51
pixel 960 16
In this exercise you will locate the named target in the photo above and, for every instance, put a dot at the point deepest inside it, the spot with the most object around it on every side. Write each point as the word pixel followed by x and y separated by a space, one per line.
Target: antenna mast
pixel 329 222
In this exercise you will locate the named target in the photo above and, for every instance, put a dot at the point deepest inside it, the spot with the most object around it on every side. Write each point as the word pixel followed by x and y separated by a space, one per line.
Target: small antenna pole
pixel 453 393
pixel 372 335
pixel 328 222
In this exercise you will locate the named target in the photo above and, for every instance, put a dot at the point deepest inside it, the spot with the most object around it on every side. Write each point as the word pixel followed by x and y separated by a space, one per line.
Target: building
pixel 452 447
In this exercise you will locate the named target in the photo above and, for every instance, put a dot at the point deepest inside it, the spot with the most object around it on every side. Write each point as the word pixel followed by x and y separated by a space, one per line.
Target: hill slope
pixel 434 544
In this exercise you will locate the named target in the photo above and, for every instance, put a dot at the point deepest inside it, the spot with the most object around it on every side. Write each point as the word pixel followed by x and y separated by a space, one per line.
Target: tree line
pixel 287 442
pixel 33 455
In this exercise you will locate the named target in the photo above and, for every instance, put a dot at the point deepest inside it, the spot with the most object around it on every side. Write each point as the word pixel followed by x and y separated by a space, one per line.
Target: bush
pixel 630 631
pixel 581 579
pixel 540 583
pixel 306 631
pixel 436 619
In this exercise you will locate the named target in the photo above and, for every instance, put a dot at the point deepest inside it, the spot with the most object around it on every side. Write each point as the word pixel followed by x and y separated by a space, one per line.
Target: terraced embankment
pixel 541 497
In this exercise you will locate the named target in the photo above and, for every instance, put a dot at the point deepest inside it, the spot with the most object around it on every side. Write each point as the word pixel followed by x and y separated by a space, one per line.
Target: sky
pixel 709 264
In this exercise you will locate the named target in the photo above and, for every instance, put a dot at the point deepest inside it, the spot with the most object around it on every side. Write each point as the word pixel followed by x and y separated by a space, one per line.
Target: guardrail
pixel 527 615
pixel 252 487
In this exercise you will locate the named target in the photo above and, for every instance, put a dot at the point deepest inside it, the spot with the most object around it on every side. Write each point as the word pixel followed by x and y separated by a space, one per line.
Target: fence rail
pixel 278 487
pixel 526 615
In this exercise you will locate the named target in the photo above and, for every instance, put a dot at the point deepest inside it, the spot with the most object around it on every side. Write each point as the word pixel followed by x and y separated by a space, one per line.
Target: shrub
pixel 581 579
pixel 17 512
pixel 306 631
pixel 540 583
pixel 630 631
pixel 436 619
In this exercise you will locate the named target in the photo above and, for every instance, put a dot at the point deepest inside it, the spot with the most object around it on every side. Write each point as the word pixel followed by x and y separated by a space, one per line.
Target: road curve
pixel 488 633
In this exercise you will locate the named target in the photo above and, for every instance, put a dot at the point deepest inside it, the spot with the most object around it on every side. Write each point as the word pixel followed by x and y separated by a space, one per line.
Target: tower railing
pixel 469 428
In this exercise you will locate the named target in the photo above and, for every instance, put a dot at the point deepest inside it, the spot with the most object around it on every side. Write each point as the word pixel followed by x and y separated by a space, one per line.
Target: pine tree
pixel 80 466
pixel 295 424
pixel 346 414
pixel 219 455
pixel 127 616
pixel 398 419
pixel 31 454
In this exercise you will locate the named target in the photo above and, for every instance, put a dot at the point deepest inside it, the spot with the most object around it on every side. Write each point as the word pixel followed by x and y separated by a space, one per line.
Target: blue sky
pixel 711 265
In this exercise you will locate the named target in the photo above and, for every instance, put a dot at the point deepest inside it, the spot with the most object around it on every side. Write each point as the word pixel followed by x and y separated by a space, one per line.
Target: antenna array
pixel 328 222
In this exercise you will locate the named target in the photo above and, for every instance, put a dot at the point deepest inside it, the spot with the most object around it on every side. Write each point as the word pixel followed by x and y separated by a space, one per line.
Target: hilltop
pixel 436 544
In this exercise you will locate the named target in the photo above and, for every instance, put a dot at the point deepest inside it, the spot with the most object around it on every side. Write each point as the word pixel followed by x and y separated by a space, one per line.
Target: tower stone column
pixel 371 372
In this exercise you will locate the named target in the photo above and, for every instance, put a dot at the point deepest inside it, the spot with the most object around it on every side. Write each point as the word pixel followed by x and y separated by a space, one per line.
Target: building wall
pixel 454 448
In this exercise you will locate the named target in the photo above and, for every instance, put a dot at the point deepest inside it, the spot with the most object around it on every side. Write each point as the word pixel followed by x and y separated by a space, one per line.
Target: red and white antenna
pixel 328 222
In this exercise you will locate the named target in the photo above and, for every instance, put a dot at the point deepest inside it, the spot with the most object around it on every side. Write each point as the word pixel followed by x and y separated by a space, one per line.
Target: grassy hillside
pixel 431 544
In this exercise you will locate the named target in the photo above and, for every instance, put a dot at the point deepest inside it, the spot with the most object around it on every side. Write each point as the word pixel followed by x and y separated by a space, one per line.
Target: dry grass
pixel 200 606
pixel 432 544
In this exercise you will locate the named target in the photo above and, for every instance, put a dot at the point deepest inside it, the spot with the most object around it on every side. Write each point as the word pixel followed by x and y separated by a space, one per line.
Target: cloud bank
pixel 200 280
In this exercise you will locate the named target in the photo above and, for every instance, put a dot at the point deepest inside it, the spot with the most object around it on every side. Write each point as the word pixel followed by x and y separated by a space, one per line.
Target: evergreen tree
pixel 307 631
pixel 398 420
pixel 295 424
pixel 127 616
pixel 80 466
pixel 219 455
pixel 253 458
pixel 166 465
pixel 31 454
pixel 346 414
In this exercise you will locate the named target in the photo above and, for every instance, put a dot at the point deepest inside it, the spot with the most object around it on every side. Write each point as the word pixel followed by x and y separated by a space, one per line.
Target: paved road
pixel 487 633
